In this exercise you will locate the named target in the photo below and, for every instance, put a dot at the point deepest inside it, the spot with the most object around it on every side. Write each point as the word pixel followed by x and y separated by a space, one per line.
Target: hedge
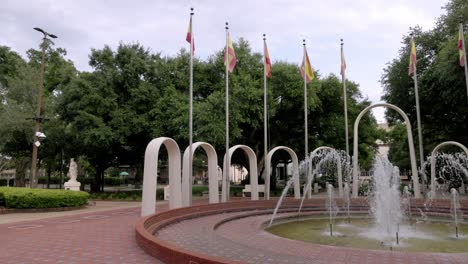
pixel 21 198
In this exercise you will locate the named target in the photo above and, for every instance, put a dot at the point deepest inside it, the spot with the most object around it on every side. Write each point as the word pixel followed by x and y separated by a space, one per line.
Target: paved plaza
pixel 98 234
pixel 105 233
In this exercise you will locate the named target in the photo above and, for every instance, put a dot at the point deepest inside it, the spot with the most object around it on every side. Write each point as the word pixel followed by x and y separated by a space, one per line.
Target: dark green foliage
pixel 442 88
pixel 22 198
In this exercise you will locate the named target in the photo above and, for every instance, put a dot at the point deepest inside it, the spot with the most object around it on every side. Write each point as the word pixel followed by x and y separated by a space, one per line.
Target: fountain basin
pixel 234 232
pixel 433 235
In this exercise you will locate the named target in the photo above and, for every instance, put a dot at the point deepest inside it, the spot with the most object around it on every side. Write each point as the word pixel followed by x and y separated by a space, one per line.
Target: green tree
pixel 442 88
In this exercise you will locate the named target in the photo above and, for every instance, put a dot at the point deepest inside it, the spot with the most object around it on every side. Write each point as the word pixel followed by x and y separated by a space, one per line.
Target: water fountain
pixel 347 200
pixel 385 201
pixel 280 200
pixel 406 203
pixel 385 230
pixel 331 207
pixel 457 215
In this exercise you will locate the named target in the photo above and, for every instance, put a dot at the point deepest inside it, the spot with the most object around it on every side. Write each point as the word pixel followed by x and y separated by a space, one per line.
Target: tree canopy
pixel 109 115
pixel 442 88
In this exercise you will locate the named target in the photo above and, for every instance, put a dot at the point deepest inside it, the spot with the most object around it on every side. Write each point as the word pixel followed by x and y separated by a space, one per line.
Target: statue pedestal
pixel 72 185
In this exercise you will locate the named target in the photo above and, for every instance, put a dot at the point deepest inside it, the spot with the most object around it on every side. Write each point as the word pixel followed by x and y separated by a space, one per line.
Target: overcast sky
pixel 372 29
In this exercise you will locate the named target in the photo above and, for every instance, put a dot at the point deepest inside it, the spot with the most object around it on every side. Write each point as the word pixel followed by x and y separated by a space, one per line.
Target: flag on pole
pixel 412 62
pixel 343 63
pixel 189 36
pixel 230 57
pixel 461 49
pixel 267 60
pixel 309 73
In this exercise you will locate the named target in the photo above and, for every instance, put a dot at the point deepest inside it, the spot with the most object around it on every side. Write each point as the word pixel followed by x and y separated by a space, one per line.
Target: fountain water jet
pixel 385 203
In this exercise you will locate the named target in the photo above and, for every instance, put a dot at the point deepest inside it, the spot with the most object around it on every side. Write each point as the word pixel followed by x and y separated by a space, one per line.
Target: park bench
pixel 248 189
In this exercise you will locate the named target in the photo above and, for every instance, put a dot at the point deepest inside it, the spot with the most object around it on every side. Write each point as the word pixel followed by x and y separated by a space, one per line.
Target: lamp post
pixel 37 119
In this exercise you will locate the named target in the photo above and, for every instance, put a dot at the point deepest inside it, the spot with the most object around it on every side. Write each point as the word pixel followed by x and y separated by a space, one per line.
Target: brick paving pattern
pixel 109 237
pixel 99 237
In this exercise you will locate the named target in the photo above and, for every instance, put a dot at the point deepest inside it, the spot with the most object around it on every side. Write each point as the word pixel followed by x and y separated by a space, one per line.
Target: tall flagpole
pixel 464 54
pixel 306 149
pixel 191 104
pixel 227 114
pixel 306 133
pixel 265 105
pixel 343 80
pixel 418 115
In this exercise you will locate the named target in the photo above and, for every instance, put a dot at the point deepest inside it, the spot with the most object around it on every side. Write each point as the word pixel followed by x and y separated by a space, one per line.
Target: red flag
pixel 230 57
pixel 307 69
pixel 267 60
pixel 189 37
pixel 461 48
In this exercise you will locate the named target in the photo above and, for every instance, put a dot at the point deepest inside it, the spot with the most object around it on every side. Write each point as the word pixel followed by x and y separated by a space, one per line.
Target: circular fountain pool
pixel 428 236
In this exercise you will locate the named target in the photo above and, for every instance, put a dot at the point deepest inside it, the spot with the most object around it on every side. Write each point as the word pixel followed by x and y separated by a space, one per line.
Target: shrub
pixel 112 181
pixel 22 198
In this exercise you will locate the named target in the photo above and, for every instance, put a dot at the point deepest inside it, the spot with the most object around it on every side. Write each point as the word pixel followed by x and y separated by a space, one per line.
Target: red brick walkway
pixel 99 237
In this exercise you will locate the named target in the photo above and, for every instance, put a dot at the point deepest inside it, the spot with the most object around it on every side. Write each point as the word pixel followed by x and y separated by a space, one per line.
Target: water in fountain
pixel 283 194
pixel 321 160
pixel 331 206
pixel 347 199
pixel 385 203
pixel 457 214
pixel 451 170
pixel 406 203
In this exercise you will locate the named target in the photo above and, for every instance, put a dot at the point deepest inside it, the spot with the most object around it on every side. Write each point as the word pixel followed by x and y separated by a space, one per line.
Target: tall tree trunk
pixel 96 185
pixel 21 164
pixel 49 171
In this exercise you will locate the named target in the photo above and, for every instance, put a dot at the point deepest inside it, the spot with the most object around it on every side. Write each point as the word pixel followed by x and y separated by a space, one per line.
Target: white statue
pixel 72 184
pixel 73 171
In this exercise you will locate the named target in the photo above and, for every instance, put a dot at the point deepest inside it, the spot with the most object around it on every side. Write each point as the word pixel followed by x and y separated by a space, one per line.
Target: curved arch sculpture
pixel 339 172
pixel 414 170
pixel 212 173
pixel 150 175
pixel 297 189
pixel 252 171
pixel 433 168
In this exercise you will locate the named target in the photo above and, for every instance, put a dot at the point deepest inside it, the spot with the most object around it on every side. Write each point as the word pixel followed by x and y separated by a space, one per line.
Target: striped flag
pixel 461 49
pixel 309 73
pixel 267 60
pixel 230 60
pixel 412 61
pixel 189 36
pixel 343 63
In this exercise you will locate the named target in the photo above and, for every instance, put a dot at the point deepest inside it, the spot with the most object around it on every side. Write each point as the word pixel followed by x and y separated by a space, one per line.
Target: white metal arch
pixel 212 173
pixel 433 163
pixel 339 172
pixel 414 170
pixel 150 175
pixel 252 171
pixel 295 174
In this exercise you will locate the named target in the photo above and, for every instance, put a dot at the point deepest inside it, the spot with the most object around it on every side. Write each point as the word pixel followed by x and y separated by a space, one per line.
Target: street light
pixel 38 118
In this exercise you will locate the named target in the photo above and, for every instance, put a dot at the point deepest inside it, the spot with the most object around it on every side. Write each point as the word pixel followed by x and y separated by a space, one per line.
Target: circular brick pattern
pixel 233 233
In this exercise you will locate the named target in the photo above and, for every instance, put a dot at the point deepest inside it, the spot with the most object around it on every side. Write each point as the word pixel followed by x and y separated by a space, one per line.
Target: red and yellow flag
pixel 412 61
pixel 230 56
pixel 309 73
pixel 461 49
pixel 188 38
pixel 343 63
pixel 267 60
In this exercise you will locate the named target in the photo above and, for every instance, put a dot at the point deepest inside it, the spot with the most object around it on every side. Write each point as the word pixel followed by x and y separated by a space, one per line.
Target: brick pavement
pixel 97 237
